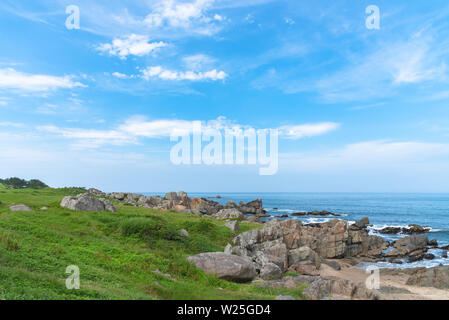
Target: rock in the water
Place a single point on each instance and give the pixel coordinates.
(232, 225)
(284, 298)
(20, 207)
(315, 213)
(229, 214)
(390, 230)
(225, 266)
(415, 229)
(429, 256)
(86, 202)
(411, 245)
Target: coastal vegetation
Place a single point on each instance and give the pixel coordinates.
(134, 253)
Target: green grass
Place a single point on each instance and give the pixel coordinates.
(115, 252)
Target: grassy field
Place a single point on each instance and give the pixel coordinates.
(115, 252)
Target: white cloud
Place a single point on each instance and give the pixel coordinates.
(178, 14)
(198, 62)
(120, 75)
(15, 80)
(307, 130)
(166, 74)
(138, 127)
(90, 138)
(12, 124)
(136, 45)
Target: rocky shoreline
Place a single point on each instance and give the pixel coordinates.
(265, 255)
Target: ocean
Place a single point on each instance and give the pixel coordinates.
(382, 209)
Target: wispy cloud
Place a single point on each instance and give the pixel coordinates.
(307, 130)
(166, 74)
(16, 80)
(136, 45)
(137, 127)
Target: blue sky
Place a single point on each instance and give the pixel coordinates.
(362, 110)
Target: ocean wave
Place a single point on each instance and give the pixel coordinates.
(439, 260)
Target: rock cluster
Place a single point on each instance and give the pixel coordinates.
(181, 202)
(87, 202)
(413, 248)
(289, 245)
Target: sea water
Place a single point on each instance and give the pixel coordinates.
(382, 209)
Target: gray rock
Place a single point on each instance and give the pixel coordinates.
(96, 192)
(225, 266)
(184, 233)
(284, 298)
(172, 196)
(182, 195)
(303, 254)
(117, 195)
(229, 214)
(228, 249)
(44, 208)
(270, 271)
(232, 225)
(362, 223)
(20, 207)
(108, 205)
(86, 202)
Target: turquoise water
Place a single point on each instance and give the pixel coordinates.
(382, 209)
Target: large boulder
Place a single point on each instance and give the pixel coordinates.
(304, 255)
(204, 206)
(225, 266)
(86, 202)
(270, 271)
(229, 214)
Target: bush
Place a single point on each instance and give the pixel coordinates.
(18, 183)
(149, 229)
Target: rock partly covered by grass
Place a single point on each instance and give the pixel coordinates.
(20, 207)
(87, 202)
(225, 266)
